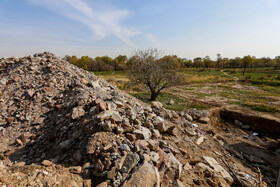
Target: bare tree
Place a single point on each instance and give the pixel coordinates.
(156, 73)
(219, 59)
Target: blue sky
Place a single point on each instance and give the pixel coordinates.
(187, 28)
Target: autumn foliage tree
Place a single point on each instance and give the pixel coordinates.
(247, 60)
(148, 67)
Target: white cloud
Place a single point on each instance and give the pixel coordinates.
(151, 38)
(103, 23)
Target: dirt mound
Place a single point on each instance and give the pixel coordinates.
(63, 126)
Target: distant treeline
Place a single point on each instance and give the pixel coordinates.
(106, 63)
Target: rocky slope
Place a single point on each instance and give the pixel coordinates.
(63, 126)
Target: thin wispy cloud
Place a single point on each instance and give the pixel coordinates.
(152, 38)
(102, 23)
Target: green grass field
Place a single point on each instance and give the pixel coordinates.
(258, 89)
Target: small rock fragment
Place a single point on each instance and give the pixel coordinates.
(77, 113)
(46, 163)
(75, 169)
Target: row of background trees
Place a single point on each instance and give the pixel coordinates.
(151, 68)
(122, 62)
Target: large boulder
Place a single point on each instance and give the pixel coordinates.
(147, 175)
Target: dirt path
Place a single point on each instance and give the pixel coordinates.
(226, 74)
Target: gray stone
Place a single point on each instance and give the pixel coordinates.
(188, 117)
(161, 127)
(124, 147)
(143, 133)
(116, 117)
(130, 162)
(3, 82)
(219, 169)
(204, 120)
(107, 126)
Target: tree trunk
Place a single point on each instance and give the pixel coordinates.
(154, 95)
(244, 70)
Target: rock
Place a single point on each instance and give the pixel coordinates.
(187, 167)
(147, 175)
(153, 145)
(107, 126)
(47, 163)
(2, 157)
(99, 167)
(112, 173)
(183, 151)
(154, 156)
(11, 119)
(101, 106)
(156, 133)
(199, 140)
(246, 127)
(176, 164)
(131, 137)
(76, 169)
(19, 164)
(16, 78)
(143, 133)
(204, 120)
(178, 183)
(195, 160)
(19, 142)
(3, 82)
(130, 162)
(161, 127)
(247, 179)
(171, 102)
(77, 113)
(39, 121)
(121, 161)
(211, 183)
(115, 117)
(205, 167)
(143, 144)
(188, 117)
(87, 183)
(30, 93)
(218, 168)
(104, 115)
(119, 130)
(25, 137)
(173, 131)
(156, 105)
(84, 81)
(236, 122)
(190, 132)
(124, 147)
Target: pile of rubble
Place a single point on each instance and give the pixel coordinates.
(56, 117)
